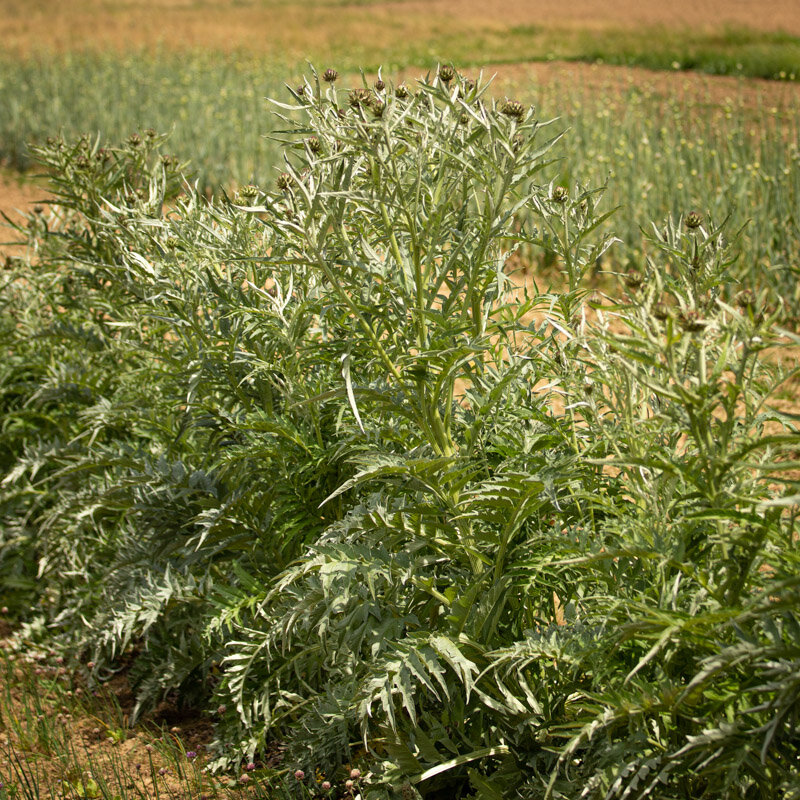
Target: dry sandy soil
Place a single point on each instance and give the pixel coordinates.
(279, 27)
(15, 195)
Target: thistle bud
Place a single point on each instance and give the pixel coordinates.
(330, 75)
(446, 73)
(746, 299)
(401, 92)
(661, 311)
(359, 97)
(560, 194)
(692, 321)
(249, 192)
(513, 109)
(284, 181)
(377, 107)
(694, 219)
(379, 85)
(314, 144)
(134, 140)
(633, 278)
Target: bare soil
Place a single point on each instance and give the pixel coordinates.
(18, 193)
(70, 732)
(17, 196)
(274, 27)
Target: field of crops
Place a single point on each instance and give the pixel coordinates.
(424, 430)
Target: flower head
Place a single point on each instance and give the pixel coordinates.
(249, 192)
(746, 299)
(359, 97)
(514, 109)
(694, 219)
(633, 278)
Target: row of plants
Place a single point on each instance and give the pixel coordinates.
(659, 156)
(311, 456)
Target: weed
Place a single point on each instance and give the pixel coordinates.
(314, 459)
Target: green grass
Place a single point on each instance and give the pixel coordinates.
(63, 737)
(213, 105)
(734, 51)
(731, 51)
